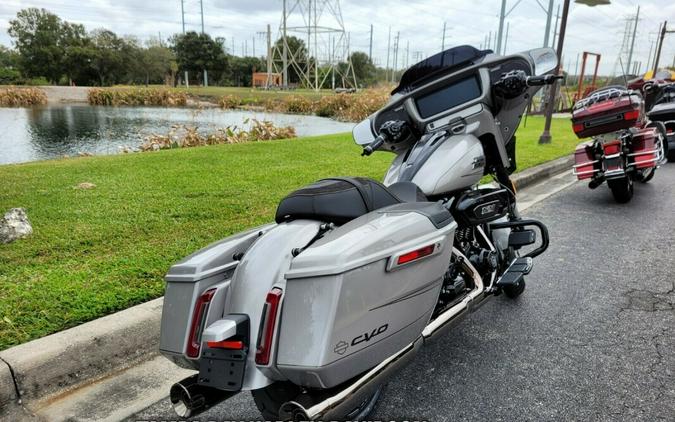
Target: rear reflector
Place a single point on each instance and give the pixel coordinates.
(197, 325)
(416, 254)
(613, 147)
(579, 127)
(226, 344)
(631, 115)
(268, 322)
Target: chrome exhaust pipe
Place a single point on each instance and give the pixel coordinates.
(189, 399)
(346, 399)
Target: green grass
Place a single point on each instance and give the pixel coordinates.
(98, 251)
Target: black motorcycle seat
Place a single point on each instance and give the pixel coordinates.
(339, 200)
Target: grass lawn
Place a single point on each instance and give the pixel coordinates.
(101, 250)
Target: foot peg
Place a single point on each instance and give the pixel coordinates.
(518, 269)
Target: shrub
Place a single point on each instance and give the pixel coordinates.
(136, 96)
(182, 136)
(230, 101)
(21, 97)
(333, 105)
(298, 104)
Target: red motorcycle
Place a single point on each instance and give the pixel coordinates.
(625, 146)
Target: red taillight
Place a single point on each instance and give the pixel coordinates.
(612, 147)
(416, 254)
(579, 127)
(266, 333)
(198, 317)
(226, 344)
(631, 115)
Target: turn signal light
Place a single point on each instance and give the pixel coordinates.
(267, 324)
(197, 325)
(416, 254)
(578, 127)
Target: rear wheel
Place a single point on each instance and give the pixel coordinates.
(646, 175)
(268, 400)
(622, 189)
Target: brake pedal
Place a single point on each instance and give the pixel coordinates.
(519, 268)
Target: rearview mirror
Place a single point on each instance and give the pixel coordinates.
(545, 60)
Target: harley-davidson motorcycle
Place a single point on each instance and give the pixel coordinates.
(625, 147)
(660, 106)
(314, 312)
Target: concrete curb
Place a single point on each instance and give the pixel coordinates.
(58, 362)
(52, 365)
(538, 173)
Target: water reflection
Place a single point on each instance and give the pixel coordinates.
(29, 134)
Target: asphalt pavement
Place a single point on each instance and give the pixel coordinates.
(592, 337)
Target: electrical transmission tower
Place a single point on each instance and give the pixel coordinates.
(626, 50)
(323, 59)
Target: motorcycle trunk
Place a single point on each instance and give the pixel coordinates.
(351, 298)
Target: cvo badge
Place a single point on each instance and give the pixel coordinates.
(365, 337)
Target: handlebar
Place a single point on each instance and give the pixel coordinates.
(542, 80)
(370, 148)
(392, 131)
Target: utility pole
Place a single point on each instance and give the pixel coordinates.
(443, 39)
(182, 14)
(664, 31)
(506, 38)
(386, 69)
(555, 29)
(549, 15)
(649, 56)
(284, 53)
(407, 53)
(490, 40)
(395, 62)
(253, 41)
(370, 48)
(206, 74)
(269, 56)
(502, 15)
(576, 67)
(632, 43)
(545, 137)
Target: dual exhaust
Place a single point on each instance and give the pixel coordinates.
(189, 399)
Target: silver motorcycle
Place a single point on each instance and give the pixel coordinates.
(314, 312)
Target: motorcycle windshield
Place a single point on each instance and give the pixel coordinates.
(452, 59)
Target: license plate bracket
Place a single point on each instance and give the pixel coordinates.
(222, 368)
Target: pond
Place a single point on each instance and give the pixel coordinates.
(40, 133)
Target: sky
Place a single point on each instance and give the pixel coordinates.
(419, 24)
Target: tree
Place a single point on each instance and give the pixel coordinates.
(112, 56)
(364, 69)
(196, 52)
(40, 37)
(241, 70)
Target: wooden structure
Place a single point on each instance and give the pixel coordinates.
(266, 80)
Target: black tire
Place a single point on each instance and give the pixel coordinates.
(622, 189)
(513, 292)
(268, 400)
(646, 175)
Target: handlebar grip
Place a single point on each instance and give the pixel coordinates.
(369, 149)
